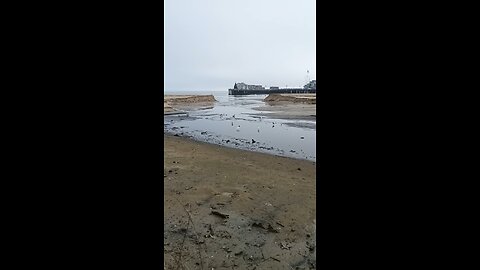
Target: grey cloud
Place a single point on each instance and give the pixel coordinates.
(211, 44)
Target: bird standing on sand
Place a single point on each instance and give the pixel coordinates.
(238, 128)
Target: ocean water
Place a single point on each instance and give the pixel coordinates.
(233, 122)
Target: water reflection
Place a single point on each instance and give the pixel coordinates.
(233, 122)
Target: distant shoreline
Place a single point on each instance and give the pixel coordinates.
(199, 92)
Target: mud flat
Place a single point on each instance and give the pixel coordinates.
(175, 103)
(226, 208)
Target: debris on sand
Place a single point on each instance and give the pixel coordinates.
(285, 245)
(218, 214)
(268, 227)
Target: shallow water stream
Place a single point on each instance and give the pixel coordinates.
(234, 123)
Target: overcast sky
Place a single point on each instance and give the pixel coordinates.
(211, 44)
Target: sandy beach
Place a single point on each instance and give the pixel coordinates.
(233, 209)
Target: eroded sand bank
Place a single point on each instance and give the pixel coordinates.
(292, 98)
(177, 103)
(289, 106)
(226, 208)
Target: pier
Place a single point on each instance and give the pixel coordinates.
(272, 91)
(246, 89)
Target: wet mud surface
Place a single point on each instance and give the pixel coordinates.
(233, 209)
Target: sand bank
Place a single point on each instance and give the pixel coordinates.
(289, 106)
(292, 98)
(176, 99)
(289, 111)
(176, 103)
(226, 207)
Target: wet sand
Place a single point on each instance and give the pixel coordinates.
(288, 111)
(233, 209)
